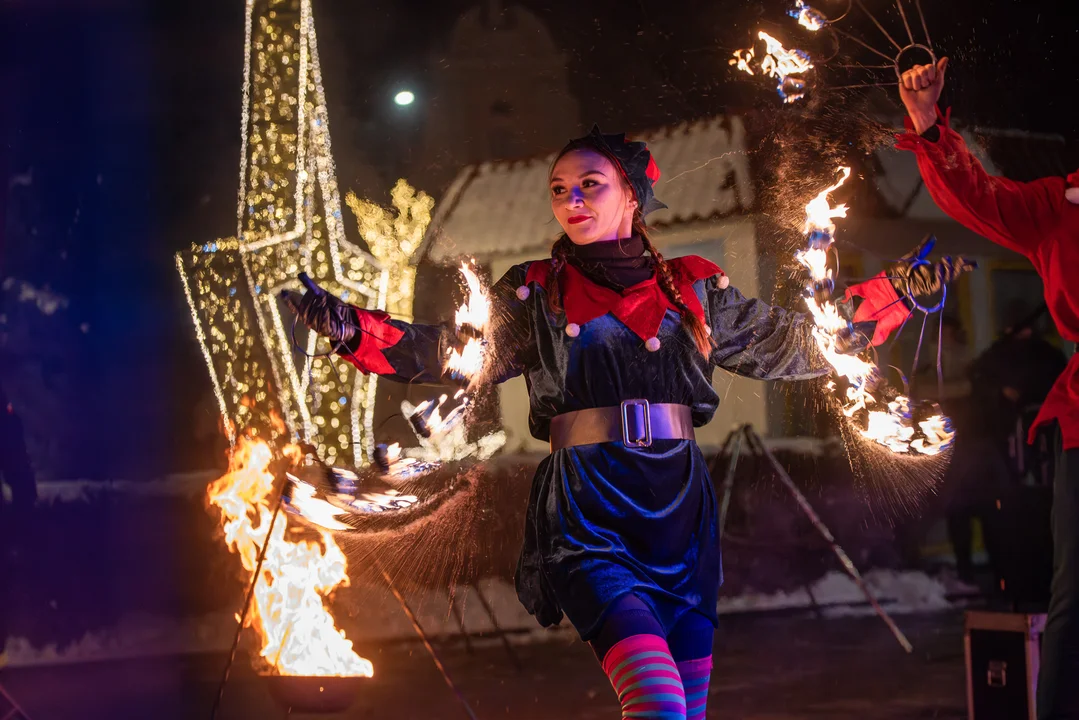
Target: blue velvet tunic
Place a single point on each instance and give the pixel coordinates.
(605, 520)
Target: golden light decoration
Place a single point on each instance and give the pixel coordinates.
(289, 220)
(394, 240)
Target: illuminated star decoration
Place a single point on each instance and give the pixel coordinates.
(289, 220)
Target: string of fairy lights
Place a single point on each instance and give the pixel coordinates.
(289, 220)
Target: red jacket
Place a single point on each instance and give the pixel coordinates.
(1034, 219)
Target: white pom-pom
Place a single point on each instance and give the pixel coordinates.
(1072, 194)
(652, 344)
(723, 282)
(523, 292)
(573, 329)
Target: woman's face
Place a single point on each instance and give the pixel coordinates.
(589, 198)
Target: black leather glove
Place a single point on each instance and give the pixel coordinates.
(919, 279)
(323, 313)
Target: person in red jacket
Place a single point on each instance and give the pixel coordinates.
(1040, 220)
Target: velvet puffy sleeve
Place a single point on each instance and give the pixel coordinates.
(759, 340)
(511, 342)
(416, 353)
(397, 350)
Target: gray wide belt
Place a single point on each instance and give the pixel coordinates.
(635, 422)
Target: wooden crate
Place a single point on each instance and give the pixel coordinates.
(1002, 653)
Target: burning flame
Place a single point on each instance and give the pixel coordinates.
(476, 309)
(471, 317)
(288, 610)
(819, 212)
(468, 360)
(432, 413)
(890, 424)
(778, 63)
(742, 59)
(400, 467)
(303, 501)
(442, 439)
(807, 17)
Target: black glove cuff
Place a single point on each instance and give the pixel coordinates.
(898, 278)
(932, 134)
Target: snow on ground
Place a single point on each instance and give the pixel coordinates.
(836, 594)
(183, 485)
(374, 617)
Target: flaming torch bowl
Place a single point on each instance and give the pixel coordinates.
(316, 694)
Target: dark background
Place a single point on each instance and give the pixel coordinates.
(120, 145)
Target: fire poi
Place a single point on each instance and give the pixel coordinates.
(789, 67)
(880, 415)
(327, 496)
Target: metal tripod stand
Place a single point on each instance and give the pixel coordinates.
(747, 436)
(10, 708)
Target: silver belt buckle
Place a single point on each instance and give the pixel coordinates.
(647, 441)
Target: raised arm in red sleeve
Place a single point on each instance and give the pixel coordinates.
(1013, 214)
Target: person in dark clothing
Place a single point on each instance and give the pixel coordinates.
(18, 476)
(1040, 220)
(1012, 379)
(1008, 384)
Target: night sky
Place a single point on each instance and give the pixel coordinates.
(120, 125)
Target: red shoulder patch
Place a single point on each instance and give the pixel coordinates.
(688, 270)
(539, 271)
(692, 268)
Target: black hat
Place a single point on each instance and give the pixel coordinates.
(632, 158)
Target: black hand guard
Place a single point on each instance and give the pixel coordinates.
(915, 278)
(322, 312)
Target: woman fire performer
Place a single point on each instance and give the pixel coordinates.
(618, 346)
(1040, 220)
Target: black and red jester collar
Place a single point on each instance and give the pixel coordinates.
(640, 307)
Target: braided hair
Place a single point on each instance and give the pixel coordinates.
(702, 336)
(559, 259)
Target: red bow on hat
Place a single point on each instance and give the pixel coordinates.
(652, 171)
